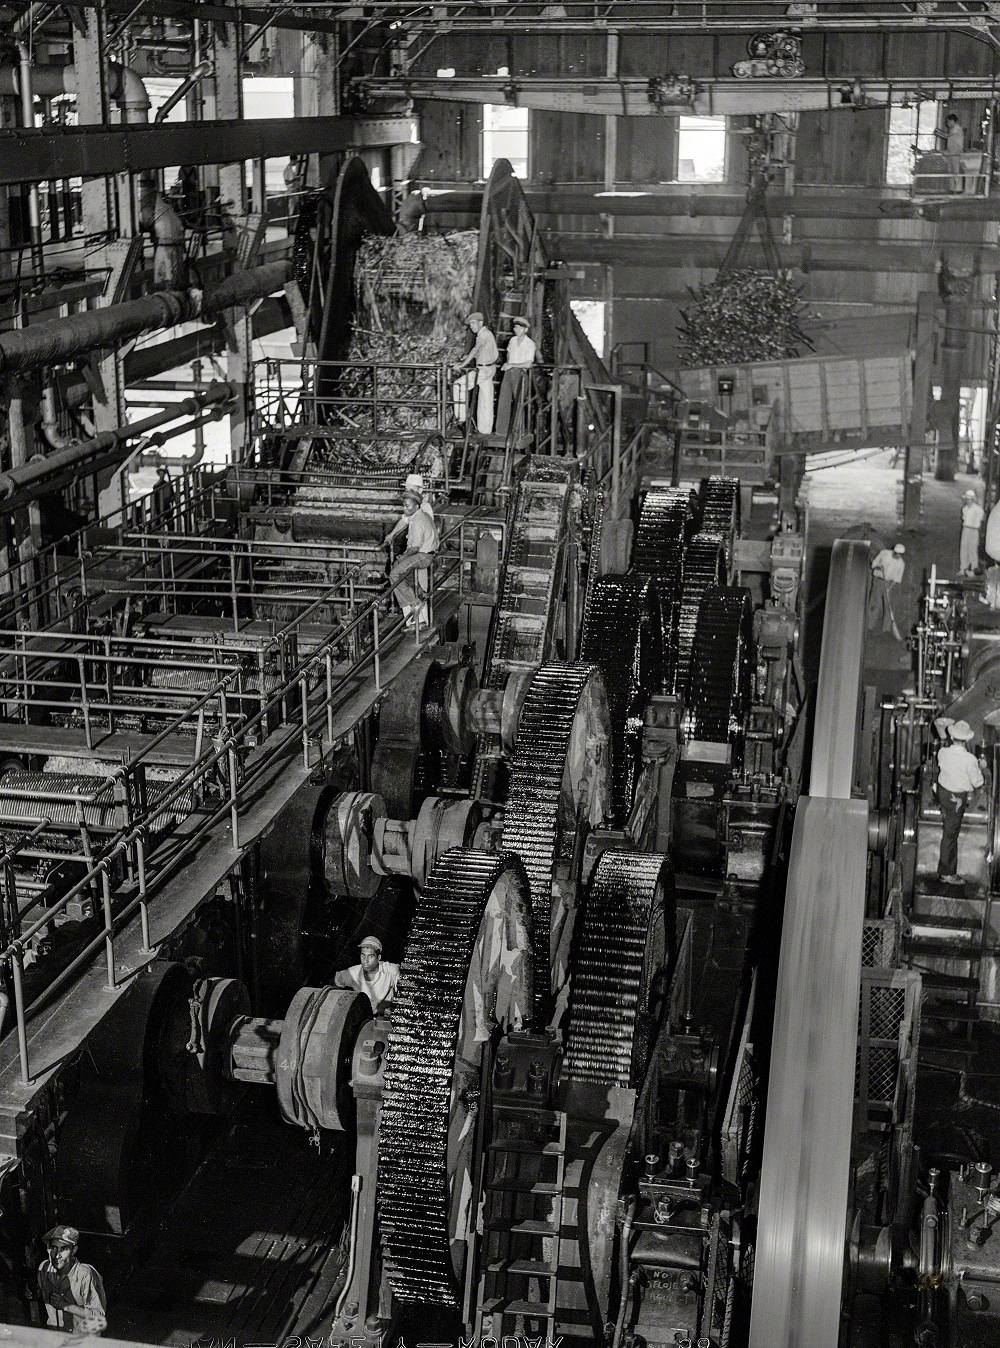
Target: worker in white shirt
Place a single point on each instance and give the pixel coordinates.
(520, 357)
(958, 777)
(374, 976)
(415, 561)
(953, 136)
(888, 570)
(973, 515)
(483, 362)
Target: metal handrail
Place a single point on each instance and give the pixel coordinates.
(313, 671)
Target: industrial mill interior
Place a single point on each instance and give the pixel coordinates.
(508, 493)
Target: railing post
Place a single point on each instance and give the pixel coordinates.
(109, 933)
(140, 865)
(304, 697)
(377, 660)
(329, 696)
(17, 966)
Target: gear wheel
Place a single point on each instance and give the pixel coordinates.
(666, 523)
(704, 566)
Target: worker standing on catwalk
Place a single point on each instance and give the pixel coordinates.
(416, 560)
(73, 1292)
(518, 361)
(954, 145)
(888, 570)
(483, 360)
(374, 976)
(973, 515)
(958, 777)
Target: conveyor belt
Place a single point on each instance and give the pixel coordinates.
(414, 1196)
(626, 935)
(622, 637)
(531, 818)
(802, 1219)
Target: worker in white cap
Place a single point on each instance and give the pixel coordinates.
(888, 570)
(482, 360)
(973, 515)
(374, 976)
(72, 1292)
(958, 777)
(416, 559)
(518, 360)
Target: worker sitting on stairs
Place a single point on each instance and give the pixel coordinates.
(959, 776)
(421, 545)
(519, 360)
(483, 360)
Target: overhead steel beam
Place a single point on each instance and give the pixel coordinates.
(92, 152)
(847, 203)
(247, 14)
(628, 95)
(707, 254)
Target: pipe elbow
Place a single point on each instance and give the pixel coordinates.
(129, 92)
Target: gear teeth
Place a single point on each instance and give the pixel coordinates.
(720, 511)
(666, 523)
(413, 1179)
(531, 815)
(720, 696)
(704, 566)
(626, 931)
(622, 637)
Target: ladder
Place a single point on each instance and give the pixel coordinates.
(522, 1221)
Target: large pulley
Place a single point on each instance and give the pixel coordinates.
(802, 1221)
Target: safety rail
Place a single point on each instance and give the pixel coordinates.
(53, 585)
(722, 451)
(314, 399)
(224, 777)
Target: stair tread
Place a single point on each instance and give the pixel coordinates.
(941, 947)
(526, 1226)
(500, 1305)
(946, 921)
(519, 1144)
(949, 1011)
(518, 1185)
(953, 982)
(533, 1268)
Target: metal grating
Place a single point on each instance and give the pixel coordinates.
(880, 944)
(738, 1125)
(888, 1025)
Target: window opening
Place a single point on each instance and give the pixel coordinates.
(505, 136)
(701, 149)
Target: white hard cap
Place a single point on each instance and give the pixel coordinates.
(414, 482)
(961, 731)
(970, 495)
(899, 549)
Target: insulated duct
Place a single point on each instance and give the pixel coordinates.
(62, 339)
(124, 85)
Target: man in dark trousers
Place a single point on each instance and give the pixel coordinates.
(959, 776)
(73, 1292)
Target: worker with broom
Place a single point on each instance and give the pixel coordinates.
(888, 569)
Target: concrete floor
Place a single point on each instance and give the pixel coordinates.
(957, 1111)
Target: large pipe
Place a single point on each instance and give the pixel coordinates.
(125, 86)
(63, 339)
(19, 486)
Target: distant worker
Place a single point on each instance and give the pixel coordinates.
(520, 357)
(374, 976)
(888, 570)
(954, 145)
(958, 777)
(973, 515)
(72, 1292)
(416, 560)
(483, 360)
(411, 212)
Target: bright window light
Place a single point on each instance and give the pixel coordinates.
(505, 136)
(701, 149)
(590, 314)
(910, 129)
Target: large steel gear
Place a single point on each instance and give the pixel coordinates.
(550, 788)
(805, 1173)
(720, 511)
(666, 523)
(465, 968)
(625, 937)
(622, 637)
(704, 566)
(721, 669)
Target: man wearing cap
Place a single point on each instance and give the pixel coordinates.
(73, 1292)
(483, 360)
(958, 776)
(374, 976)
(416, 559)
(888, 570)
(973, 515)
(518, 361)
